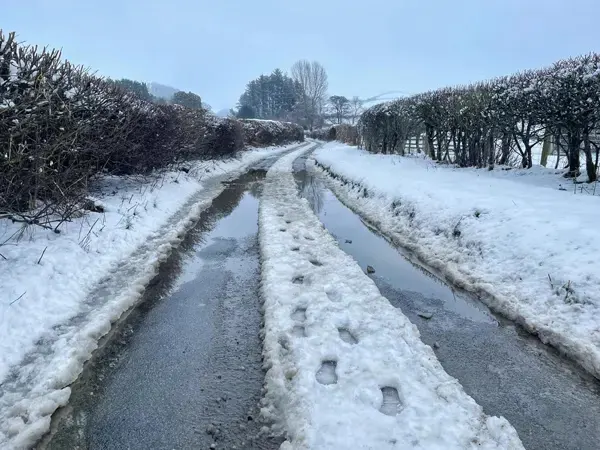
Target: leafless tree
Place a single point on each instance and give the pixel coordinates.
(312, 79)
(340, 107)
(356, 108)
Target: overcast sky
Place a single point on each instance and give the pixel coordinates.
(214, 47)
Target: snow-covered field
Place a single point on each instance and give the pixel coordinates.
(55, 307)
(346, 370)
(529, 248)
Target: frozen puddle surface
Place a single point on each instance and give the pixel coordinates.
(508, 372)
(361, 377)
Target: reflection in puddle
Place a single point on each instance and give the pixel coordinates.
(369, 248)
(312, 189)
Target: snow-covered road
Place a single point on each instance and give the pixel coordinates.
(345, 368)
(183, 369)
(55, 308)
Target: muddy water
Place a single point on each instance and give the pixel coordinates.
(551, 403)
(183, 370)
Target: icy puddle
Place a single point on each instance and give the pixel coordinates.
(550, 401)
(184, 369)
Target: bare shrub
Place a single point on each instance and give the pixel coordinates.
(60, 126)
(262, 133)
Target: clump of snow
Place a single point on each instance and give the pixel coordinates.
(59, 293)
(346, 369)
(529, 248)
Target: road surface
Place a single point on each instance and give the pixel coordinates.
(184, 369)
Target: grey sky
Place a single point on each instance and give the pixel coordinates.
(215, 47)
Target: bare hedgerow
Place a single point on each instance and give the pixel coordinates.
(499, 120)
(262, 133)
(60, 126)
(345, 133)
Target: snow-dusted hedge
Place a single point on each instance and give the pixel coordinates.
(485, 122)
(346, 133)
(323, 134)
(261, 133)
(343, 132)
(60, 126)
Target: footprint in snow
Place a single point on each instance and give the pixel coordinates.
(299, 331)
(391, 404)
(333, 295)
(299, 315)
(347, 337)
(326, 374)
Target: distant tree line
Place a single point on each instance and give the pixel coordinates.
(273, 96)
(141, 91)
(300, 97)
(487, 122)
(340, 109)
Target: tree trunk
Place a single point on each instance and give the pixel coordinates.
(546, 147)
(590, 167)
(557, 146)
(574, 147)
(427, 148)
(597, 155)
(529, 156)
(491, 157)
(439, 145)
(505, 149)
(430, 145)
(402, 146)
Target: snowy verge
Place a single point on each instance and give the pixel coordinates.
(527, 248)
(60, 293)
(345, 369)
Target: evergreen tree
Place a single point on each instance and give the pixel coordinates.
(271, 96)
(187, 99)
(136, 87)
(246, 112)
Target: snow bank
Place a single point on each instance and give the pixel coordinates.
(528, 248)
(346, 370)
(55, 307)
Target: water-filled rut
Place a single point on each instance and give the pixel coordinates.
(184, 369)
(548, 399)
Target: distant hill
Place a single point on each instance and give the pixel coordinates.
(162, 90)
(223, 113)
